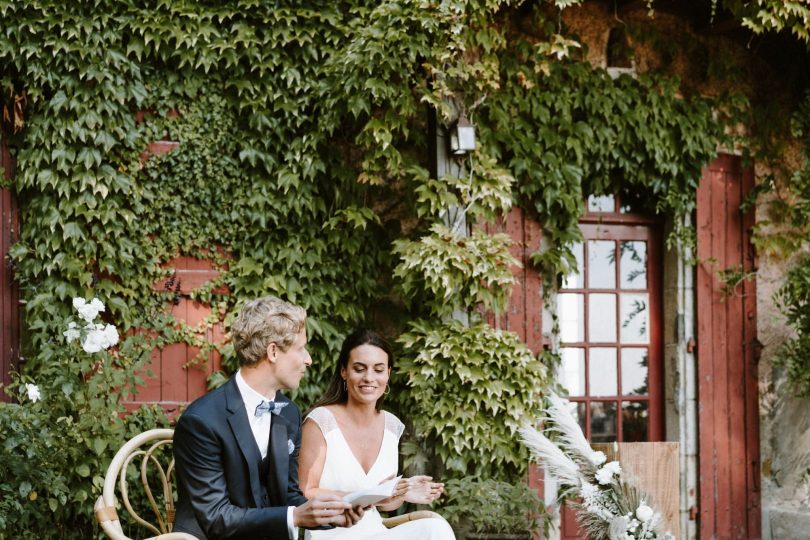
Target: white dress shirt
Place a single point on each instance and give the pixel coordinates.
(260, 426)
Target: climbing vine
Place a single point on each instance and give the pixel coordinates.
(568, 131)
(261, 182)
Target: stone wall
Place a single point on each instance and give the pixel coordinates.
(784, 419)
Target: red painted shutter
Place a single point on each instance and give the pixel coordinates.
(524, 310)
(728, 414)
(9, 295)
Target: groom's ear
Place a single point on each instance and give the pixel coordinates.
(272, 350)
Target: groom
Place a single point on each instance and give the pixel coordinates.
(236, 448)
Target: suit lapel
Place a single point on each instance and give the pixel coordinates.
(278, 458)
(244, 438)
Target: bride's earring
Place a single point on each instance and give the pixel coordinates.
(387, 390)
(345, 386)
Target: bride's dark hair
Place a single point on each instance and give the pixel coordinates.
(335, 392)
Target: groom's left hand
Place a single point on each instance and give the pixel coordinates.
(353, 515)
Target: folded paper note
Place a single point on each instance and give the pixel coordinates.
(372, 495)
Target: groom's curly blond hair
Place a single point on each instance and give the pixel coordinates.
(264, 321)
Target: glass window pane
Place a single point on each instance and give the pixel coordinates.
(571, 316)
(578, 412)
(635, 421)
(600, 203)
(601, 264)
(633, 265)
(602, 318)
(603, 421)
(634, 372)
(602, 374)
(574, 279)
(573, 370)
(634, 315)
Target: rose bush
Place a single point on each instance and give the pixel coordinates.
(66, 425)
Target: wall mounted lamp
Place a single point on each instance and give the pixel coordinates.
(462, 136)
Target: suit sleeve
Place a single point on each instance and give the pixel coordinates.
(295, 496)
(201, 473)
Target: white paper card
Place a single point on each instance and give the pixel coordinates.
(372, 495)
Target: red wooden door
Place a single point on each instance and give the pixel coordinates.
(9, 297)
(728, 413)
(609, 313)
(629, 359)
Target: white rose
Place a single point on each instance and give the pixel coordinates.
(94, 341)
(33, 392)
(605, 474)
(88, 310)
(644, 513)
(72, 333)
(110, 335)
(597, 458)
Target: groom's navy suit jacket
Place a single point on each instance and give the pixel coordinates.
(224, 489)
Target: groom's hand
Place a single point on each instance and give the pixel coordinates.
(353, 515)
(322, 509)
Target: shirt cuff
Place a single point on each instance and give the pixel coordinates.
(292, 530)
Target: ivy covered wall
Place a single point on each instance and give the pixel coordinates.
(302, 171)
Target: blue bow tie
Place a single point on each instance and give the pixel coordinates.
(269, 406)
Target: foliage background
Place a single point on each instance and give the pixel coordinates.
(302, 171)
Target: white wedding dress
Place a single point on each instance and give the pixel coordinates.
(342, 472)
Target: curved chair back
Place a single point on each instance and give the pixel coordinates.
(144, 450)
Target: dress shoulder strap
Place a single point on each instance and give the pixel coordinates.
(394, 424)
(324, 418)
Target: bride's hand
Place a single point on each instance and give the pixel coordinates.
(422, 490)
(397, 497)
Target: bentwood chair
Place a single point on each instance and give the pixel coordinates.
(152, 450)
(410, 516)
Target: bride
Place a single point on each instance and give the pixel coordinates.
(349, 443)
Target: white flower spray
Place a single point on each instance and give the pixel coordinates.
(569, 458)
(94, 336)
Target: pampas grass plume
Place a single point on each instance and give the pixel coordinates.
(551, 457)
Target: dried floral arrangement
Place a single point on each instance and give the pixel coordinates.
(610, 507)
